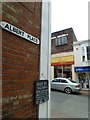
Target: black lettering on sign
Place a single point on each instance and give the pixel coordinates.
(7, 26)
(19, 32)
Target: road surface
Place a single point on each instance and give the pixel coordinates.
(68, 105)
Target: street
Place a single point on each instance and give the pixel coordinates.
(68, 105)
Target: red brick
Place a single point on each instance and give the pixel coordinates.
(20, 60)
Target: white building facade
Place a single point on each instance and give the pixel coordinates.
(81, 68)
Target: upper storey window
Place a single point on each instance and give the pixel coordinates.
(83, 54)
(88, 52)
(61, 40)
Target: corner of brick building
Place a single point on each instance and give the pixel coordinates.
(20, 60)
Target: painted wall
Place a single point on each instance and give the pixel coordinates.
(88, 20)
(78, 53)
(52, 72)
(45, 52)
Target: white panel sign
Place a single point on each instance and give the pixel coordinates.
(18, 32)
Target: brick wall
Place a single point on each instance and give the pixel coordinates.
(20, 60)
(63, 48)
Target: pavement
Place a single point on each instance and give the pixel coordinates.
(85, 91)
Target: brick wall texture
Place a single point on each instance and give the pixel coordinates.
(20, 60)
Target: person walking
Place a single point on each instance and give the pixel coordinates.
(81, 81)
(87, 83)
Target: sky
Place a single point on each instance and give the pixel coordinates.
(70, 13)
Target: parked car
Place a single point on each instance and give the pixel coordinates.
(66, 85)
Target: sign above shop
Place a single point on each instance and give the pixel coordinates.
(82, 69)
(19, 32)
(64, 60)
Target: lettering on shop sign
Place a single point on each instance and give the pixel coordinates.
(41, 91)
(82, 69)
(19, 32)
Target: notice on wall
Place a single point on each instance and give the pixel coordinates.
(41, 91)
(19, 32)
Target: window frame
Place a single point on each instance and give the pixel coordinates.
(61, 41)
(56, 80)
(63, 80)
(88, 53)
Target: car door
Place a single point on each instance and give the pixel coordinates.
(55, 83)
(63, 84)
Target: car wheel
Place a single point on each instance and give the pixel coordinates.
(68, 90)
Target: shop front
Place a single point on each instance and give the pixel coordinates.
(83, 75)
(62, 66)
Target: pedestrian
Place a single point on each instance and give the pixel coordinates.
(87, 83)
(79, 78)
(81, 81)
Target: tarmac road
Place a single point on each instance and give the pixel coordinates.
(69, 105)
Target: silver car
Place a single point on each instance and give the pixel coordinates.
(65, 84)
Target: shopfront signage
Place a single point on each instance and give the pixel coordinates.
(41, 91)
(82, 69)
(19, 32)
(62, 60)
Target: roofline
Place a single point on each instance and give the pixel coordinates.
(80, 42)
(62, 30)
